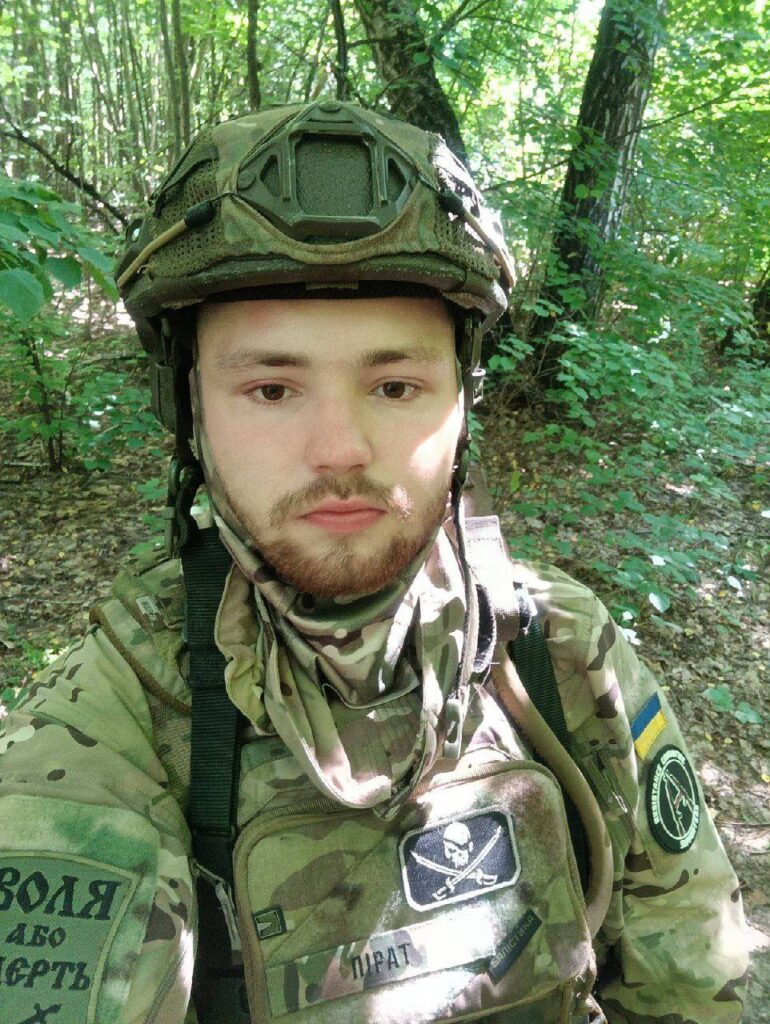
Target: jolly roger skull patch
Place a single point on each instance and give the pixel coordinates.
(458, 860)
(673, 805)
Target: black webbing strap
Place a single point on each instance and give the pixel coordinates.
(529, 653)
(218, 989)
(213, 775)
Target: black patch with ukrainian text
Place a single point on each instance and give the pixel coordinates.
(673, 804)
(458, 860)
(513, 945)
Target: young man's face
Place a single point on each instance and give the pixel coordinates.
(333, 425)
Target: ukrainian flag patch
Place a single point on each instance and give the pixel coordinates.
(648, 725)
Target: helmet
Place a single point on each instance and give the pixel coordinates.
(305, 197)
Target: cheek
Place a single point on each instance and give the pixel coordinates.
(433, 455)
(240, 452)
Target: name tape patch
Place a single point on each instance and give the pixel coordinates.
(386, 958)
(458, 860)
(673, 804)
(57, 918)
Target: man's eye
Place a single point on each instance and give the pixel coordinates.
(270, 392)
(396, 389)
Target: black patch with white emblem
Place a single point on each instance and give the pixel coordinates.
(458, 860)
(673, 804)
(269, 922)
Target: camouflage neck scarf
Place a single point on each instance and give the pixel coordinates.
(354, 687)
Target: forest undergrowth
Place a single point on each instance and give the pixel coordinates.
(675, 544)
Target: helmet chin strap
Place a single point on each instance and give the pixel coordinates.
(472, 379)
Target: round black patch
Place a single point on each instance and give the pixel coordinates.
(673, 805)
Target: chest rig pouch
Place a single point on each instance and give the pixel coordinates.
(465, 906)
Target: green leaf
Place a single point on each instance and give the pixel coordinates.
(65, 269)
(21, 292)
(720, 697)
(581, 192)
(107, 283)
(667, 624)
(746, 713)
(660, 602)
(95, 259)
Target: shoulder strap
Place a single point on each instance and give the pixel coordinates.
(213, 769)
(218, 988)
(517, 616)
(529, 653)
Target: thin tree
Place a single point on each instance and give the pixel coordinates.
(341, 64)
(182, 67)
(253, 65)
(172, 92)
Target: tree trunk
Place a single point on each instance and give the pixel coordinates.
(341, 64)
(593, 196)
(252, 60)
(313, 83)
(181, 62)
(760, 307)
(172, 92)
(405, 64)
(50, 438)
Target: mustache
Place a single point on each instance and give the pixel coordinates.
(352, 485)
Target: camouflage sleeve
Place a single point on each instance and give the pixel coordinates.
(673, 949)
(97, 908)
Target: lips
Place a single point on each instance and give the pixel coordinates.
(344, 516)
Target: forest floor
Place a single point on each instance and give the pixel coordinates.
(64, 537)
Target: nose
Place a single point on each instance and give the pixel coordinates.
(338, 440)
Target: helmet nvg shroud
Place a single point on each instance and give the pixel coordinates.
(301, 199)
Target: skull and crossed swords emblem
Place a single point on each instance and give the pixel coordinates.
(458, 847)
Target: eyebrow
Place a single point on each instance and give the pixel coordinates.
(245, 358)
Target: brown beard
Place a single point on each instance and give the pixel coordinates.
(340, 572)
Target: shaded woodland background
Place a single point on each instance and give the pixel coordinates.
(627, 147)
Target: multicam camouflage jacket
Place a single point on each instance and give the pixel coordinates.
(465, 905)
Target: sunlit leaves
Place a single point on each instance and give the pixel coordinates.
(42, 247)
(21, 293)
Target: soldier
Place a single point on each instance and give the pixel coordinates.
(344, 757)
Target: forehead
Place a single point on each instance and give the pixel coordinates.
(316, 330)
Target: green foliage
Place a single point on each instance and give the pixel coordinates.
(153, 490)
(70, 400)
(43, 246)
(19, 667)
(721, 698)
(638, 430)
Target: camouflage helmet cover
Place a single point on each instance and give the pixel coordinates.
(320, 195)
